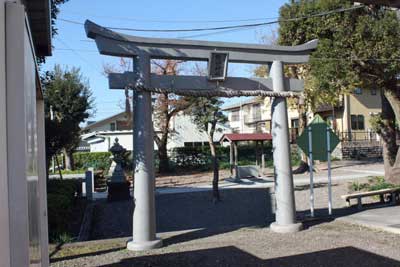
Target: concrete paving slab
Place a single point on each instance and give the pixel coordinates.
(384, 218)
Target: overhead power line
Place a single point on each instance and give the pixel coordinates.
(314, 58)
(172, 21)
(340, 10)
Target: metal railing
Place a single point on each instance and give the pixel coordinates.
(358, 136)
(368, 136)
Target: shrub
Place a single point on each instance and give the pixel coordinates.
(374, 183)
(60, 202)
(199, 158)
(96, 160)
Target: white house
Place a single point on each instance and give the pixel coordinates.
(99, 136)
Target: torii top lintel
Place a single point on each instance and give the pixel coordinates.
(117, 44)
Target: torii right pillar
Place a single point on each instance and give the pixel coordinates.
(285, 221)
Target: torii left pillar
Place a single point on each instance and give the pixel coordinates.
(144, 215)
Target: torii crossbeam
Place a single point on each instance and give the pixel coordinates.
(142, 50)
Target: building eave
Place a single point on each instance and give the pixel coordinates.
(103, 121)
(39, 16)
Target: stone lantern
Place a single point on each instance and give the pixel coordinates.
(118, 186)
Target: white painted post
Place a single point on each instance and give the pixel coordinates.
(144, 216)
(89, 183)
(284, 188)
(328, 147)
(311, 170)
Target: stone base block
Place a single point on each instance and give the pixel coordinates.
(286, 229)
(147, 245)
(118, 191)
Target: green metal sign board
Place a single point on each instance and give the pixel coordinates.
(319, 139)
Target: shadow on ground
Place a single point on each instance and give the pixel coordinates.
(184, 211)
(232, 256)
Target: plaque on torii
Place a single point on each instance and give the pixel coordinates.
(218, 55)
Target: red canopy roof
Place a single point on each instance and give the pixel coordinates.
(246, 137)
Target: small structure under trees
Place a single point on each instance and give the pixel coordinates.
(235, 138)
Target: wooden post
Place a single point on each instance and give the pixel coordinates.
(257, 153)
(231, 156)
(236, 156)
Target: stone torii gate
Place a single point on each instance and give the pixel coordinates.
(218, 54)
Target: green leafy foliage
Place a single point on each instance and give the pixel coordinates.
(198, 158)
(374, 183)
(68, 97)
(96, 160)
(356, 48)
(61, 196)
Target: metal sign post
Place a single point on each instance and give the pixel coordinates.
(310, 164)
(328, 148)
(318, 148)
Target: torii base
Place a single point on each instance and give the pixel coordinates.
(141, 246)
(286, 229)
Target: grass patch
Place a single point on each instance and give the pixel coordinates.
(374, 183)
(81, 171)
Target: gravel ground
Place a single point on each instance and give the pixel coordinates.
(233, 233)
(324, 244)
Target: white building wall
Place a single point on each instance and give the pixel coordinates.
(4, 215)
(183, 130)
(23, 220)
(101, 128)
(246, 121)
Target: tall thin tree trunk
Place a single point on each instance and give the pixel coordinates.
(67, 160)
(163, 157)
(388, 134)
(214, 158)
(303, 167)
(59, 167)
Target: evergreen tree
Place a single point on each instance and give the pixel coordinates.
(67, 104)
(357, 48)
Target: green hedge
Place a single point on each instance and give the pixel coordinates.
(199, 158)
(61, 196)
(96, 160)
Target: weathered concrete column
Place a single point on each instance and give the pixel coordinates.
(144, 216)
(284, 191)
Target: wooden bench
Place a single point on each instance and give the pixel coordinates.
(393, 192)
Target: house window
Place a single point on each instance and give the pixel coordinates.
(112, 126)
(256, 112)
(357, 122)
(358, 91)
(235, 115)
(373, 91)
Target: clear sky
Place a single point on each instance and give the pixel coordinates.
(73, 49)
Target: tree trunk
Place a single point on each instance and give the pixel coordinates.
(59, 168)
(391, 155)
(303, 167)
(67, 159)
(163, 166)
(214, 158)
